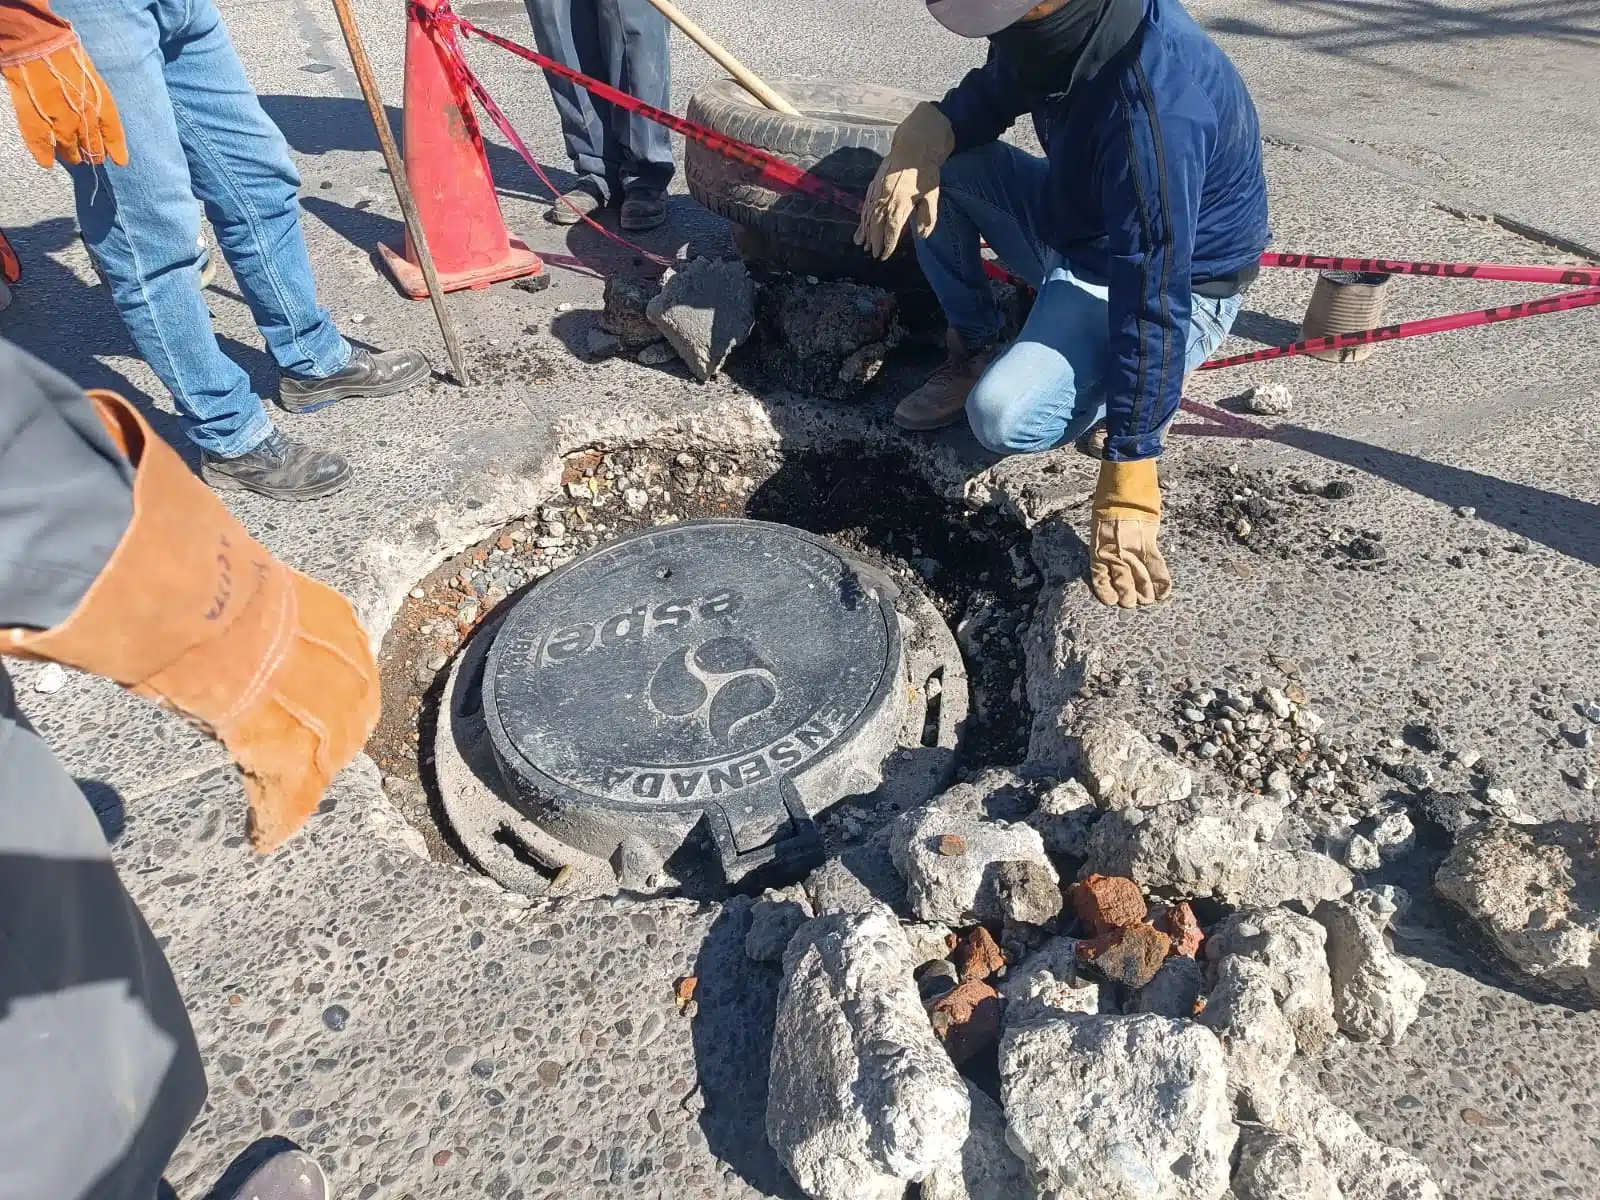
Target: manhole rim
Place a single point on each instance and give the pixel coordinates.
(887, 593)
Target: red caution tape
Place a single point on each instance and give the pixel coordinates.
(1561, 302)
(443, 24)
(1584, 277)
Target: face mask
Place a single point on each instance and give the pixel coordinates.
(1043, 53)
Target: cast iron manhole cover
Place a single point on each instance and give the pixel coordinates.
(721, 667)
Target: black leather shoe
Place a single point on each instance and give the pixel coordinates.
(642, 209)
(279, 468)
(366, 374)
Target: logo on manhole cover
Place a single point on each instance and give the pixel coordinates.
(721, 684)
(681, 665)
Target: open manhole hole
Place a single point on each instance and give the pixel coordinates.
(682, 701)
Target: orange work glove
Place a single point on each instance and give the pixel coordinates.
(1125, 563)
(193, 612)
(63, 106)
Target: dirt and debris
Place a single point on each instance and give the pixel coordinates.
(1278, 514)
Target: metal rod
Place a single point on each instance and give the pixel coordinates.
(745, 77)
(402, 186)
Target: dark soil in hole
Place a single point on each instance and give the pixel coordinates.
(973, 566)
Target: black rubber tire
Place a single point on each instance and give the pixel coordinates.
(842, 136)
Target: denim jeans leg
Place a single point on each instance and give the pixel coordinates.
(994, 193)
(568, 31)
(142, 224)
(240, 167)
(635, 37)
(1045, 389)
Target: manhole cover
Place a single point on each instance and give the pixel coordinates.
(733, 669)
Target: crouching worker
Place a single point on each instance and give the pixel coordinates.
(1140, 229)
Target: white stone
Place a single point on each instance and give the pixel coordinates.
(1269, 400)
(1395, 836)
(1293, 948)
(986, 1169)
(1047, 982)
(1123, 769)
(1117, 1108)
(1198, 846)
(636, 499)
(959, 889)
(862, 1098)
(1304, 876)
(1174, 991)
(1383, 904)
(1064, 818)
(1530, 889)
(1361, 853)
(52, 677)
(1274, 1166)
(1257, 1041)
(1376, 994)
(1275, 701)
(1363, 1167)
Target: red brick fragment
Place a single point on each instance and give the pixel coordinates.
(966, 1020)
(1107, 902)
(977, 955)
(952, 845)
(1179, 923)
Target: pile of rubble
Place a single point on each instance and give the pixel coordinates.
(819, 338)
(955, 1012)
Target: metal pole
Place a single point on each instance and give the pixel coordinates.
(402, 186)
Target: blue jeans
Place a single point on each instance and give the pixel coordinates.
(623, 43)
(196, 129)
(1046, 389)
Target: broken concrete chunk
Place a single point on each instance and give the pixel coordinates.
(1274, 1166)
(657, 354)
(1533, 894)
(1376, 993)
(1030, 892)
(856, 878)
(625, 303)
(1363, 1167)
(862, 1098)
(1304, 878)
(1127, 1107)
(962, 889)
(1383, 904)
(1242, 1010)
(1122, 769)
(1174, 991)
(598, 343)
(705, 309)
(1049, 981)
(1395, 836)
(1269, 400)
(1293, 948)
(985, 1169)
(929, 940)
(1196, 846)
(1064, 817)
(824, 339)
(774, 919)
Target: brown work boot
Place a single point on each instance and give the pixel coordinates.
(941, 400)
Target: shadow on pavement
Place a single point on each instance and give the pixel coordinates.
(738, 1002)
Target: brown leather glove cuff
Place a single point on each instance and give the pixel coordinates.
(183, 574)
(29, 30)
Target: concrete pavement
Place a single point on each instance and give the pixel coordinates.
(496, 1048)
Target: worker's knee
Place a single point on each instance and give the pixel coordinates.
(1005, 416)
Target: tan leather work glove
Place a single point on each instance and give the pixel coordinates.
(907, 181)
(1125, 564)
(63, 106)
(193, 612)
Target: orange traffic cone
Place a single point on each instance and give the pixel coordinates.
(449, 173)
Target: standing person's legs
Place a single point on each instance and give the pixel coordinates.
(99, 1072)
(142, 223)
(640, 63)
(239, 167)
(993, 193)
(568, 31)
(1048, 388)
